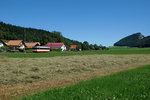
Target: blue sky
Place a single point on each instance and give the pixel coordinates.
(96, 21)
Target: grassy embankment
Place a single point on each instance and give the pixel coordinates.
(128, 85)
(112, 50)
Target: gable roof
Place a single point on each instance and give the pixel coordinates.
(32, 44)
(73, 47)
(14, 42)
(2, 42)
(54, 45)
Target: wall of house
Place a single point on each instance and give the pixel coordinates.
(1, 44)
(63, 48)
(22, 47)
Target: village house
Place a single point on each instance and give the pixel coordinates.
(30, 45)
(16, 44)
(2, 43)
(56, 46)
(73, 48)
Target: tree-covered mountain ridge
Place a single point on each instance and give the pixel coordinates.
(12, 32)
(134, 40)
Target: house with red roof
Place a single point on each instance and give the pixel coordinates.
(56, 46)
(30, 45)
(16, 44)
(73, 47)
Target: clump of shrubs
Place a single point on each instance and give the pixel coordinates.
(4, 49)
(55, 50)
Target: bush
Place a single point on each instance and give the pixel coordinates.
(57, 50)
(5, 48)
(28, 50)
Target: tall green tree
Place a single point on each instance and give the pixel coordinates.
(85, 46)
(96, 47)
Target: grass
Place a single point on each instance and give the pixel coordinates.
(123, 48)
(127, 85)
(113, 50)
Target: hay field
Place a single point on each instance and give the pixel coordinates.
(19, 76)
(27, 70)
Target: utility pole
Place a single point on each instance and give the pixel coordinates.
(24, 39)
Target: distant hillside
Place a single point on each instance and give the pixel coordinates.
(12, 32)
(145, 42)
(134, 40)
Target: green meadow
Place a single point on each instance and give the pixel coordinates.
(112, 50)
(128, 85)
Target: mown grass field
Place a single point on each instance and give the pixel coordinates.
(127, 85)
(112, 50)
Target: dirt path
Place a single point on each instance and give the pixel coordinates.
(26, 76)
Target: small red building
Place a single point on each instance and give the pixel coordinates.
(56, 46)
(73, 47)
(30, 45)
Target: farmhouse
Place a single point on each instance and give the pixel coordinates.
(2, 43)
(73, 47)
(30, 45)
(16, 44)
(56, 46)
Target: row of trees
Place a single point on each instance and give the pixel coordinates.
(11, 32)
(87, 46)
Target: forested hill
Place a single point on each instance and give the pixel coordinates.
(12, 32)
(134, 40)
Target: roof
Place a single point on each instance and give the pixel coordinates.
(54, 45)
(30, 45)
(14, 42)
(73, 47)
(2, 42)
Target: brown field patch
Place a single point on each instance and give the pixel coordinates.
(20, 76)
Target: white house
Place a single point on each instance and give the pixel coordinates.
(16, 44)
(56, 46)
(2, 43)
